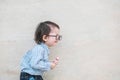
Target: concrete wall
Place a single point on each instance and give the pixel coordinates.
(90, 49)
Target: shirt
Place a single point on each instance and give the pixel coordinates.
(35, 61)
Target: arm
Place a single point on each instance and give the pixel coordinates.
(39, 61)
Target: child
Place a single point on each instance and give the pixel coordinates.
(35, 62)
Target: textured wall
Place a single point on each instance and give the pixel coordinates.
(90, 49)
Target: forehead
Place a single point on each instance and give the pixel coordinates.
(54, 30)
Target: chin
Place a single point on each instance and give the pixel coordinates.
(51, 45)
(54, 44)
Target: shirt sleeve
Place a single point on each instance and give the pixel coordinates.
(38, 60)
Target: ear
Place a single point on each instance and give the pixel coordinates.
(44, 38)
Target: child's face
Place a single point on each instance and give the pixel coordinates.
(53, 38)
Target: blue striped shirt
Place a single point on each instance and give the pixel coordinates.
(35, 61)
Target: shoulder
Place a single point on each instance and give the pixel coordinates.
(38, 47)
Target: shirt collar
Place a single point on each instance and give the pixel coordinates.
(45, 47)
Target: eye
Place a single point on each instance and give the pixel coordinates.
(58, 37)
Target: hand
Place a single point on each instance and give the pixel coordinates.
(56, 60)
(54, 63)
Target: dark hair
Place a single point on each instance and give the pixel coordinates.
(44, 29)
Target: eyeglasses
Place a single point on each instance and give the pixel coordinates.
(58, 37)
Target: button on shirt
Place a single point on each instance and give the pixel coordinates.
(35, 61)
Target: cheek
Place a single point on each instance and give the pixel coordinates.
(52, 39)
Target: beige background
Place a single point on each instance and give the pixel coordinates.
(90, 49)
